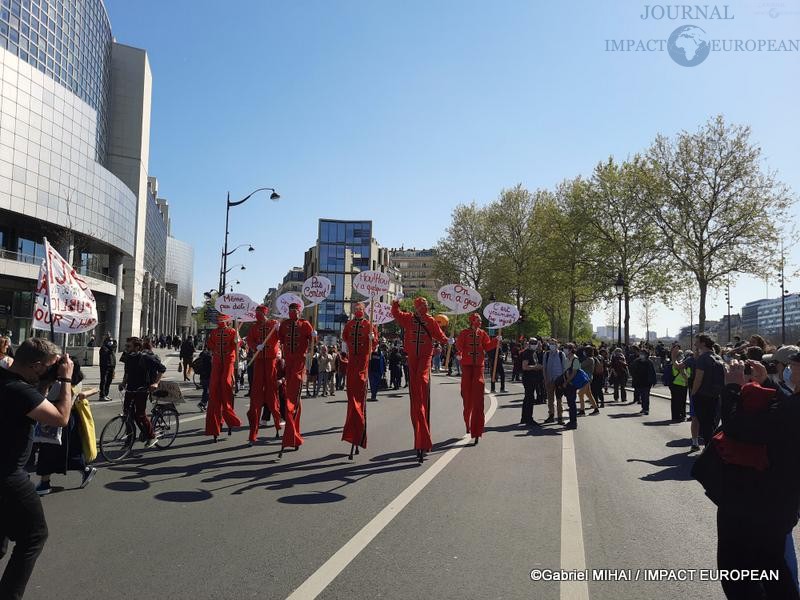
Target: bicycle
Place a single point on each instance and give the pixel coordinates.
(119, 434)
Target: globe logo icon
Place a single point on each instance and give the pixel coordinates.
(688, 46)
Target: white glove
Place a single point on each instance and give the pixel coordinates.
(314, 333)
(371, 337)
(451, 341)
(499, 338)
(260, 347)
(399, 296)
(276, 327)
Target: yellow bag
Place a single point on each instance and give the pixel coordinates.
(88, 439)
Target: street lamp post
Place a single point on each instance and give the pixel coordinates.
(619, 287)
(228, 204)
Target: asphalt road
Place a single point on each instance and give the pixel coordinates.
(204, 520)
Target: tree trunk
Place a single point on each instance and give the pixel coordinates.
(701, 324)
(572, 305)
(627, 318)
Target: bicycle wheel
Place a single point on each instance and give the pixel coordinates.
(165, 424)
(116, 439)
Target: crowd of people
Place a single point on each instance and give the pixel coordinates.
(742, 401)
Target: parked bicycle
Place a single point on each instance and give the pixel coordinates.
(120, 433)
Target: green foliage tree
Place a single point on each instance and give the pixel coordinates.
(717, 207)
(463, 255)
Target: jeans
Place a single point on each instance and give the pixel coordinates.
(705, 408)
(753, 544)
(553, 399)
(642, 395)
(571, 393)
(791, 557)
(106, 375)
(323, 382)
(437, 363)
(374, 385)
(499, 374)
(139, 401)
(597, 389)
(527, 403)
(619, 389)
(677, 395)
(23, 521)
(204, 381)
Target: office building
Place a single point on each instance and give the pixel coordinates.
(74, 149)
(416, 269)
(764, 318)
(344, 249)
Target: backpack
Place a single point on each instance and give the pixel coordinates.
(599, 366)
(666, 373)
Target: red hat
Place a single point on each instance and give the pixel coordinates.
(262, 308)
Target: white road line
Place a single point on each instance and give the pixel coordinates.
(322, 577)
(573, 555)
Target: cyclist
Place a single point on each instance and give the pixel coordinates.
(143, 371)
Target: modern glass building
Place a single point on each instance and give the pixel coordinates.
(344, 249)
(74, 147)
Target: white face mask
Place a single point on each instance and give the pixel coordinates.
(553, 347)
(787, 378)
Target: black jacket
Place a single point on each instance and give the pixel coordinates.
(778, 496)
(643, 373)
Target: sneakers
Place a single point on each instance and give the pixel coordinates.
(596, 411)
(581, 413)
(549, 419)
(88, 475)
(151, 442)
(694, 448)
(43, 488)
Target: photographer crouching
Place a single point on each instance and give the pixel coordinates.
(751, 471)
(37, 363)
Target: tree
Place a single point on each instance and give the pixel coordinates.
(716, 207)
(647, 315)
(463, 255)
(616, 211)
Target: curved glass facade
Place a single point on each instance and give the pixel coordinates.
(70, 42)
(48, 169)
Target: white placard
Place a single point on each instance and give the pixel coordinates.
(73, 304)
(316, 289)
(382, 314)
(501, 314)
(237, 306)
(283, 302)
(371, 283)
(460, 299)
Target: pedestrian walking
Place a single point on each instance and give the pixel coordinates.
(472, 344)
(643, 378)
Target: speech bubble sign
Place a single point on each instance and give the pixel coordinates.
(501, 314)
(382, 313)
(460, 299)
(371, 283)
(236, 306)
(316, 289)
(283, 302)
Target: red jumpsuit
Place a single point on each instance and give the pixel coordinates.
(419, 347)
(356, 336)
(471, 345)
(295, 336)
(264, 385)
(222, 344)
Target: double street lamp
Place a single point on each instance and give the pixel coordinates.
(619, 287)
(228, 204)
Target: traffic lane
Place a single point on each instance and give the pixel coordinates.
(211, 518)
(641, 509)
(478, 529)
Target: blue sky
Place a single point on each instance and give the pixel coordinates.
(398, 111)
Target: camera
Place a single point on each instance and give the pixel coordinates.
(772, 368)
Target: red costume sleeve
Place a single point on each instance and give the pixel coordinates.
(348, 328)
(488, 343)
(460, 341)
(402, 317)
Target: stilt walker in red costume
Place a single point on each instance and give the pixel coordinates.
(263, 340)
(359, 335)
(471, 346)
(222, 342)
(420, 329)
(295, 335)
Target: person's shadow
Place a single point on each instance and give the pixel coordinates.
(675, 467)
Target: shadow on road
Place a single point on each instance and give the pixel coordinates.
(411, 453)
(623, 415)
(663, 423)
(677, 467)
(184, 496)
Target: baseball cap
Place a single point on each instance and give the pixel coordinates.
(782, 355)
